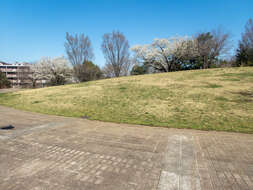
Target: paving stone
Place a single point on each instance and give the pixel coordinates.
(50, 152)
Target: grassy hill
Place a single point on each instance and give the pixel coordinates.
(213, 99)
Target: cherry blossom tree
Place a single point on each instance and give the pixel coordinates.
(35, 74)
(166, 55)
(54, 70)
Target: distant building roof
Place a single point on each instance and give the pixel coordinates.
(3, 63)
(14, 64)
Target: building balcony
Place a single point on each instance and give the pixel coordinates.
(8, 70)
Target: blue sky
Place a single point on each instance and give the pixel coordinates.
(31, 29)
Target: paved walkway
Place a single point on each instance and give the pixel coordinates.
(49, 152)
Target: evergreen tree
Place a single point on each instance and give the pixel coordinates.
(4, 83)
(244, 53)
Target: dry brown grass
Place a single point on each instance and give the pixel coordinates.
(213, 99)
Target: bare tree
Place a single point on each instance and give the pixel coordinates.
(244, 54)
(79, 50)
(247, 36)
(222, 43)
(108, 71)
(212, 45)
(116, 52)
(126, 68)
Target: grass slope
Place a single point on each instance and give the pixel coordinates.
(213, 99)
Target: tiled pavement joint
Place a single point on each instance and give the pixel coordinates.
(179, 165)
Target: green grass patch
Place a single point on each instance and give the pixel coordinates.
(239, 75)
(221, 98)
(213, 86)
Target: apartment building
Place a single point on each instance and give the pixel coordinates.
(15, 73)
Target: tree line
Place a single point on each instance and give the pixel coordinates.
(78, 66)
(202, 51)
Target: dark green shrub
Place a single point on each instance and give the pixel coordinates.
(4, 83)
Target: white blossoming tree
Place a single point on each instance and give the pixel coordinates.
(35, 74)
(166, 55)
(54, 70)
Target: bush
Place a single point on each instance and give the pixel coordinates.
(4, 83)
(87, 71)
(57, 80)
(139, 70)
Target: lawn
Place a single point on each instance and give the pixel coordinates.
(213, 99)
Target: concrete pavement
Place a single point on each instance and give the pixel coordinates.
(50, 152)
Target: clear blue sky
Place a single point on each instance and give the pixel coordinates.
(31, 29)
